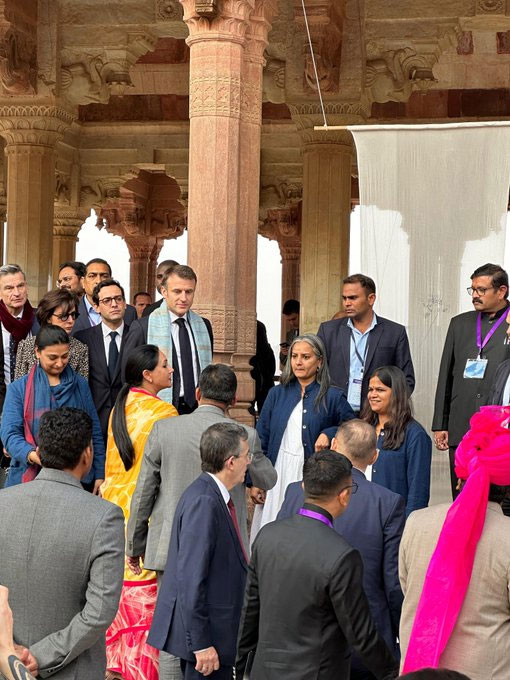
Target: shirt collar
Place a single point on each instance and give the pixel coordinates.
(174, 317)
(317, 508)
(371, 327)
(223, 489)
(106, 330)
(88, 305)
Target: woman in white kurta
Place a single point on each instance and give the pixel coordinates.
(295, 413)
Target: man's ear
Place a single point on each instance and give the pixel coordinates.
(374, 457)
(334, 444)
(87, 455)
(198, 394)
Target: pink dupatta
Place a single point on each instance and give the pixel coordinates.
(482, 458)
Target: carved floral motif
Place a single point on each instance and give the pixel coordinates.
(490, 6)
(215, 95)
(169, 10)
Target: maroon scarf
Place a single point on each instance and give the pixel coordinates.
(18, 328)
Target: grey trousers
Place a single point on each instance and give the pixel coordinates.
(169, 665)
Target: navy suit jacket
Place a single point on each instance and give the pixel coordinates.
(201, 595)
(83, 321)
(387, 346)
(373, 524)
(138, 333)
(104, 391)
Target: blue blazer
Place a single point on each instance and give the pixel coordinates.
(279, 405)
(13, 434)
(387, 346)
(201, 595)
(373, 524)
(406, 470)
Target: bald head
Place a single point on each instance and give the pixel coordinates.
(357, 440)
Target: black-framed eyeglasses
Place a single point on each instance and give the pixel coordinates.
(353, 486)
(479, 291)
(108, 300)
(64, 317)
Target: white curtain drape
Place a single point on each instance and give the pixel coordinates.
(434, 204)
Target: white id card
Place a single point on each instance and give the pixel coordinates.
(475, 368)
(355, 391)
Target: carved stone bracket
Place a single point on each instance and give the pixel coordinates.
(68, 221)
(41, 125)
(283, 225)
(325, 20)
(18, 47)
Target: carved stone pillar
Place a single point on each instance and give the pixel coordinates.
(220, 228)
(249, 182)
(325, 229)
(284, 225)
(140, 251)
(31, 133)
(153, 265)
(67, 222)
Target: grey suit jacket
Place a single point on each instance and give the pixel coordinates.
(479, 645)
(171, 462)
(62, 560)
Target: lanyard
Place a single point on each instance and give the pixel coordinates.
(356, 352)
(481, 344)
(315, 515)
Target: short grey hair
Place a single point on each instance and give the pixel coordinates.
(357, 440)
(322, 377)
(7, 269)
(218, 443)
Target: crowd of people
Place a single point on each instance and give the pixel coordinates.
(145, 534)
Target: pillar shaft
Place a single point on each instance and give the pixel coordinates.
(67, 223)
(291, 268)
(325, 230)
(140, 250)
(31, 133)
(225, 120)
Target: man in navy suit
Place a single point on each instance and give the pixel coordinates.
(201, 595)
(373, 523)
(361, 342)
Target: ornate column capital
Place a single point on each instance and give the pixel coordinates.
(210, 21)
(140, 247)
(41, 125)
(258, 30)
(307, 116)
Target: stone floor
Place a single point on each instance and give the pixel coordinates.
(440, 491)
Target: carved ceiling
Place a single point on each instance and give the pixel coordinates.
(120, 68)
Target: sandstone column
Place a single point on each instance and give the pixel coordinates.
(67, 223)
(249, 182)
(31, 133)
(325, 226)
(153, 265)
(140, 251)
(217, 236)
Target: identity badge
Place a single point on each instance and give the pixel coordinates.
(475, 368)
(355, 391)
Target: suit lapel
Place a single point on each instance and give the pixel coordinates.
(98, 346)
(119, 361)
(373, 340)
(228, 519)
(345, 346)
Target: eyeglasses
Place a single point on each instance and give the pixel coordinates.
(109, 300)
(479, 291)
(249, 457)
(64, 317)
(353, 486)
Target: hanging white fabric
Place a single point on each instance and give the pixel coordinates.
(434, 204)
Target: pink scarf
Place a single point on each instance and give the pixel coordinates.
(482, 458)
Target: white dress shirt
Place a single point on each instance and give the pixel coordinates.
(92, 313)
(222, 488)
(6, 339)
(107, 339)
(175, 339)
